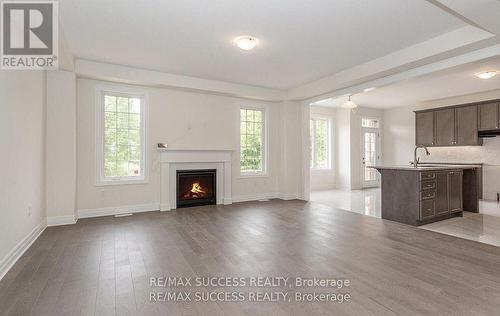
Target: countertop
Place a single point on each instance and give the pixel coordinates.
(424, 167)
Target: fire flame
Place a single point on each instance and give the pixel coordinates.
(197, 189)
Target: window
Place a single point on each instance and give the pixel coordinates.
(320, 143)
(369, 122)
(121, 138)
(252, 141)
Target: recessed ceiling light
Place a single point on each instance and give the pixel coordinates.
(369, 89)
(246, 42)
(486, 74)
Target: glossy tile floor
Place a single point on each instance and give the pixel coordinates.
(103, 266)
(366, 202)
(483, 227)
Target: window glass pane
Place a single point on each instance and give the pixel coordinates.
(110, 120)
(367, 122)
(134, 121)
(122, 137)
(135, 105)
(311, 144)
(320, 143)
(251, 140)
(109, 103)
(122, 104)
(122, 120)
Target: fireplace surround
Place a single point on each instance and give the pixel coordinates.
(172, 160)
(196, 187)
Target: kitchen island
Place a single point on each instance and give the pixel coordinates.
(429, 193)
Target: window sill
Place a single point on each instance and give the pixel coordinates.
(253, 175)
(320, 170)
(104, 183)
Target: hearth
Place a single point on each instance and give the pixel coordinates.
(196, 187)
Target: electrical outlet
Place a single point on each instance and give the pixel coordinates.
(29, 210)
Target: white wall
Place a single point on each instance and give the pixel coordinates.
(290, 178)
(22, 130)
(61, 147)
(343, 149)
(325, 179)
(399, 138)
(184, 120)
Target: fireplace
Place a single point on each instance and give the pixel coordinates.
(196, 187)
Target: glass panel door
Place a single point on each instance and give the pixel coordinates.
(370, 157)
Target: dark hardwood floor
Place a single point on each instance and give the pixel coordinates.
(103, 266)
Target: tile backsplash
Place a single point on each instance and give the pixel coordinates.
(488, 154)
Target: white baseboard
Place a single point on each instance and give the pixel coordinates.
(165, 207)
(254, 197)
(263, 196)
(61, 220)
(109, 211)
(288, 196)
(11, 258)
(227, 201)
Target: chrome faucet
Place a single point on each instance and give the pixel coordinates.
(417, 160)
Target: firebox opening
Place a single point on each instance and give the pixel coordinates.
(196, 187)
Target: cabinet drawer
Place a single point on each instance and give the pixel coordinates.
(425, 195)
(427, 208)
(427, 176)
(428, 185)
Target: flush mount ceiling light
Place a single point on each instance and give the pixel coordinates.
(369, 89)
(246, 42)
(486, 74)
(349, 104)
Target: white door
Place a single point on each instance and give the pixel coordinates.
(370, 156)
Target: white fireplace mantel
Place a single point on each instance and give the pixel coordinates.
(172, 160)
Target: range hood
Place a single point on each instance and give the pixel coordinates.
(489, 133)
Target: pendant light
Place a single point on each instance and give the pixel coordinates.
(349, 104)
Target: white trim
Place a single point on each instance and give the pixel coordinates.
(117, 210)
(263, 196)
(130, 75)
(60, 220)
(288, 196)
(254, 197)
(378, 130)
(119, 90)
(11, 258)
(265, 142)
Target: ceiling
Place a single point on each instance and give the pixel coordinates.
(300, 41)
(451, 82)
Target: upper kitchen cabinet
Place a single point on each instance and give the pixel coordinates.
(466, 126)
(424, 123)
(488, 116)
(445, 127)
(456, 125)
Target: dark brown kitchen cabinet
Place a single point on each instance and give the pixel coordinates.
(442, 205)
(424, 128)
(444, 121)
(456, 125)
(488, 116)
(441, 193)
(455, 181)
(466, 125)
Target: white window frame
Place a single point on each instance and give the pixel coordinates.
(328, 142)
(120, 91)
(265, 129)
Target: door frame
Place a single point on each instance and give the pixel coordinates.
(376, 183)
